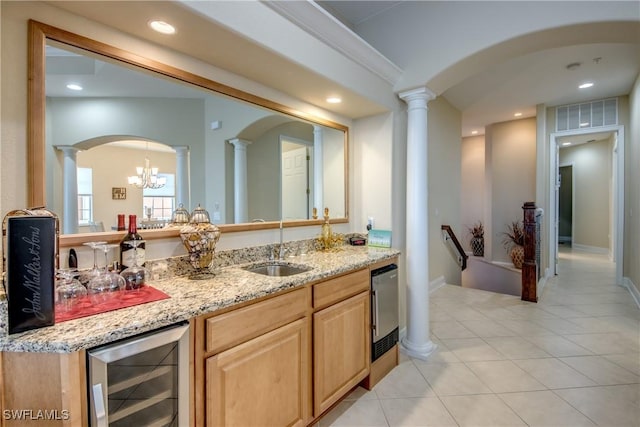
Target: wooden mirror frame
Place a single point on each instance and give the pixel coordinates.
(39, 33)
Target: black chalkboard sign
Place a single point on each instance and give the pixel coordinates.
(31, 272)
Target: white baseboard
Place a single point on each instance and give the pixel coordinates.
(436, 284)
(633, 289)
(542, 282)
(590, 249)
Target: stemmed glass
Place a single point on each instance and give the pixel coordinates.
(68, 290)
(95, 271)
(106, 281)
(135, 276)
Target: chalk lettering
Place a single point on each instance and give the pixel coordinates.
(32, 275)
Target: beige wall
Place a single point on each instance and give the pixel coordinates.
(110, 168)
(168, 121)
(472, 194)
(373, 172)
(632, 191)
(444, 187)
(592, 171)
(510, 163)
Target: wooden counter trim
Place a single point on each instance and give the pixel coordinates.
(235, 327)
(342, 287)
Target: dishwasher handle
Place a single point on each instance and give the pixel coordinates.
(374, 320)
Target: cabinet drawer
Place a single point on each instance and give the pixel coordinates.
(334, 290)
(235, 327)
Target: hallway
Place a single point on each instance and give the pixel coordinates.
(573, 359)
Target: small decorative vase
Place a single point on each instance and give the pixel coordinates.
(477, 246)
(517, 256)
(199, 237)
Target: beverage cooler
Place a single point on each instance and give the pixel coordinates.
(141, 381)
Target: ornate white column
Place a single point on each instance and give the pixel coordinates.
(69, 189)
(183, 195)
(318, 175)
(240, 194)
(417, 343)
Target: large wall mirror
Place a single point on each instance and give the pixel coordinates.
(141, 137)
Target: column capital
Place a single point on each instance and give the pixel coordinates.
(422, 93)
(180, 148)
(67, 149)
(239, 143)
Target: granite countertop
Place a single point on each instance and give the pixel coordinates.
(188, 298)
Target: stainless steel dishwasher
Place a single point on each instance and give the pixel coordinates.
(384, 309)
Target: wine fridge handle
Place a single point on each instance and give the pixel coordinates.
(98, 406)
(374, 297)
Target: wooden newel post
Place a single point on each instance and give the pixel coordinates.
(529, 279)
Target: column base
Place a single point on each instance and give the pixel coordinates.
(421, 352)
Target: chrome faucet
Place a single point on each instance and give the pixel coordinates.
(281, 250)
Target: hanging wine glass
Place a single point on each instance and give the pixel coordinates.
(107, 281)
(68, 290)
(95, 271)
(135, 276)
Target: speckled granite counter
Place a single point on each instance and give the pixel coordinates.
(189, 298)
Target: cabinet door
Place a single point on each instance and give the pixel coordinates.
(265, 381)
(341, 339)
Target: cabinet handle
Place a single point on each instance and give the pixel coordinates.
(98, 406)
(374, 297)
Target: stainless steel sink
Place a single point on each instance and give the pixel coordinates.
(277, 269)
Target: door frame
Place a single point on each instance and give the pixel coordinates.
(618, 195)
(573, 195)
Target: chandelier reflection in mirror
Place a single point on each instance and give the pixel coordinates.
(147, 176)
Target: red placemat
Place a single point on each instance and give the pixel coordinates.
(108, 301)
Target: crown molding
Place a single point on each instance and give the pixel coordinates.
(318, 22)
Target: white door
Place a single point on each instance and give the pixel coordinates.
(295, 184)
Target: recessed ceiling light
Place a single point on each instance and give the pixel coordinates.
(566, 143)
(74, 86)
(162, 27)
(334, 100)
(474, 132)
(517, 114)
(585, 85)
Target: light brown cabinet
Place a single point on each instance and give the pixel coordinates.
(264, 381)
(256, 364)
(341, 355)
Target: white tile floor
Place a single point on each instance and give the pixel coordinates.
(572, 359)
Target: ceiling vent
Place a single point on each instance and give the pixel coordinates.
(587, 115)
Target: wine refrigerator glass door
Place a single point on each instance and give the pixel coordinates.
(142, 381)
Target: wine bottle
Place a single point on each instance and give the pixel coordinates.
(126, 248)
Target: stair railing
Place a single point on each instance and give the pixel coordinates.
(455, 249)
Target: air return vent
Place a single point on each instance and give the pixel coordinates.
(587, 115)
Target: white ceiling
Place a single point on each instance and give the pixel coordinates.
(519, 84)
(493, 95)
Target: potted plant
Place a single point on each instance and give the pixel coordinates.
(477, 238)
(513, 242)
